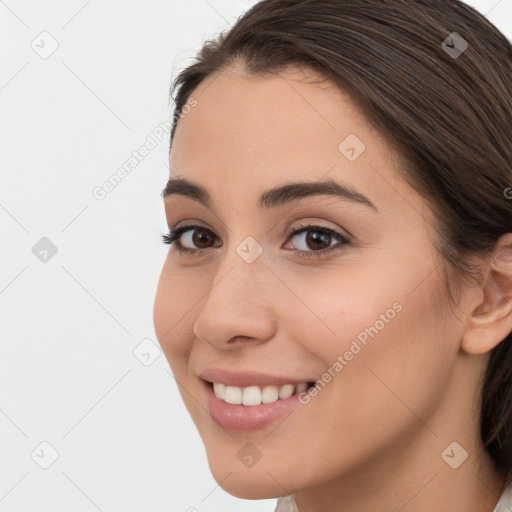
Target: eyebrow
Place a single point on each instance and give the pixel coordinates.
(273, 197)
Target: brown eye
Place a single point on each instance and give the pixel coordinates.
(317, 240)
(311, 240)
(201, 238)
(192, 238)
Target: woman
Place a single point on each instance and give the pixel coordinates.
(336, 304)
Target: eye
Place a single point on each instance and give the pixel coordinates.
(312, 240)
(191, 239)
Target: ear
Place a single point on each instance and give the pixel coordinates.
(490, 321)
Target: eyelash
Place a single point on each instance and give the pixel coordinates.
(174, 234)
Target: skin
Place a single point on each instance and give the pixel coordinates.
(372, 438)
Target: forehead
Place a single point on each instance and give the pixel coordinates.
(250, 132)
(292, 112)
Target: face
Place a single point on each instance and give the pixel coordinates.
(336, 286)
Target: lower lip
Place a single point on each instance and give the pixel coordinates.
(248, 417)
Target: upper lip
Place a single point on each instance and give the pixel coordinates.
(246, 378)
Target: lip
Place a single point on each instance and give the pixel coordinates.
(247, 418)
(246, 378)
(244, 417)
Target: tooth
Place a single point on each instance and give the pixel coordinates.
(286, 391)
(219, 390)
(269, 394)
(254, 395)
(251, 395)
(233, 395)
(301, 387)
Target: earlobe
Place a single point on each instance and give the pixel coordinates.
(491, 320)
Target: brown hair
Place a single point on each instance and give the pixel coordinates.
(448, 114)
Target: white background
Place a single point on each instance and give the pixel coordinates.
(70, 325)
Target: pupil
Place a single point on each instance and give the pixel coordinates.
(313, 240)
(198, 239)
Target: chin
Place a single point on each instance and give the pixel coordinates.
(267, 479)
(247, 485)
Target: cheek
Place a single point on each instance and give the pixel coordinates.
(335, 311)
(378, 347)
(172, 314)
(402, 369)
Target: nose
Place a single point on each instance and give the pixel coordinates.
(238, 308)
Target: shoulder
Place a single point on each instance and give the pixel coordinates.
(505, 502)
(286, 505)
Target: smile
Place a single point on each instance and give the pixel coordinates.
(246, 400)
(257, 395)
